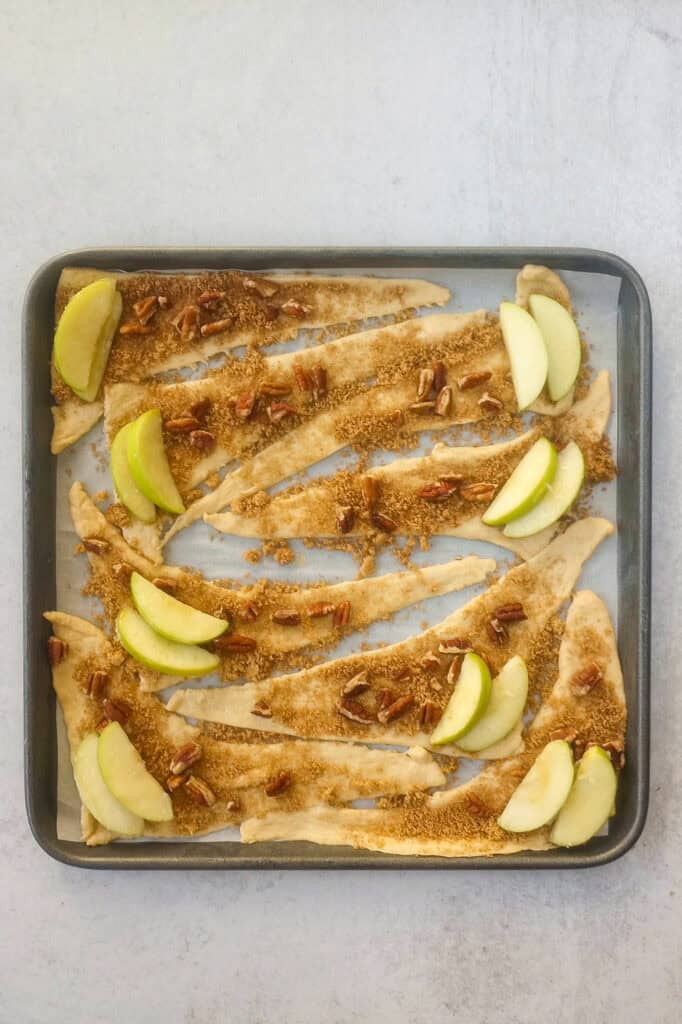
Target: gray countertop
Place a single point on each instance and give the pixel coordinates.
(329, 123)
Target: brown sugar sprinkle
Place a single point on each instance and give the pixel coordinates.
(253, 555)
(278, 784)
(57, 650)
(145, 309)
(284, 555)
(475, 805)
(118, 515)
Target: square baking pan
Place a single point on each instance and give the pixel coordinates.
(633, 552)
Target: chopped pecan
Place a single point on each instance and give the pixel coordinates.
(278, 783)
(319, 610)
(475, 805)
(204, 440)
(489, 403)
(286, 617)
(273, 389)
(370, 492)
(422, 408)
(443, 401)
(473, 380)
(455, 668)
(345, 519)
(245, 404)
(181, 425)
(429, 715)
(216, 327)
(102, 724)
(437, 492)
(440, 375)
(451, 478)
(145, 309)
(497, 631)
(512, 612)
(354, 711)
(278, 410)
(615, 750)
(122, 571)
(586, 679)
(341, 616)
(164, 583)
(396, 709)
(478, 492)
(564, 733)
(117, 710)
(319, 381)
(355, 686)
(386, 697)
(249, 612)
(299, 310)
(96, 545)
(431, 662)
(57, 650)
(185, 757)
(232, 806)
(424, 383)
(304, 381)
(261, 710)
(174, 782)
(210, 299)
(455, 645)
(199, 791)
(133, 328)
(266, 289)
(384, 522)
(397, 418)
(97, 683)
(162, 301)
(186, 323)
(235, 643)
(201, 409)
(403, 673)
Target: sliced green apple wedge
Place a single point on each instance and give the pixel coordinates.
(541, 795)
(561, 337)
(526, 486)
(149, 465)
(172, 618)
(467, 703)
(508, 697)
(97, 796)
(590, 801)
(558, 497)
(126, 488)
(125, 774)
(84, 334)
(526, 350)
(154, 651)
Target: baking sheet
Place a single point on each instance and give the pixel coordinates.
(595, 298)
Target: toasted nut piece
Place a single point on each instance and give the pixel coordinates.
(185, 757)
(579, 747)
(102, 724)
(145, 309)
(437, 492)
(233, 806)
(614, 748)
(216, 327)
(397, 418)
(345, 519)
(278, 410)
(319, 610)
(512, 612)
(354, 711)
(370, 492)
(396, 709)
(273, 389)
(181, 425)
(249, 612)
(164, 583)
(96, 545)
(286, 617)
(57, 650)
(564, 733)
(341, 616)
(235, 643)
(455, 669)
(440, 375)
(299, 310)
(451, 478)
(386, 697)
(97, 683)
(134, 328)
(424, 383)
(489, 403)
(186, 323)
(304, 380)
(384, 522)
(270, 312)
(431, 662)
(261, 710)
(162, 301)
(422, 408)
(175, 782)
(203, 440)
(478, 492)
(497, 631)
(475, 805)
(355, 686)
(122, 571)
(319, 381)
(278, 783)
(455, 645)
(210, 299)
(586, 679)
(443, 401)
(117, 710)
(201, 409)
(245, 404)
(429, 715)
(403, 673)
(473, 380)
(199, 791)
(261, 286)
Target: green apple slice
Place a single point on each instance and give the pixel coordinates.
(97, 796)
(540, 796)
(561, 337)
(557, 499)
(526, 486)
(467, 703)
(170, 617)
(527, 352)
(124, 772)
(590, 801)
(508, 697)
(149, 465)
(84, 334)
(163, 655)
(126, 488)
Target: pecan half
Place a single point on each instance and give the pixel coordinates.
(473, 380)
(203, 440)
(478, 492)
(278, 783)
(278, 410)
(424, 383)
(134, 328)
(385, 698)
(455, 645)
(497, 631)
(185, 757)
(319, 610)
(97, 683)
(261, 710)
(245, 404)
(167, 585)
(175, 782)
(431, 662)
(370, 492)
(355, 686)
(181, 425)
(396, 709)
(57, 650)
(199, 791)
(286, 617)
(186, 323)
(216, 327)
(117, 710)
(235, 643)
(266, 289)
(440, 375)
(489, 403)
(429, 715)
(422, 408)
(384, 522)
(512, 612)
(586, 679)
(273, 389)
(122, 571)
(96, 545)
(296, 309)
(319, 381)
(345, 519)
(201, 409)
(210, 299)
(437, 492)
(443, 401)
(341, 616)
(304, 381)
(145, 309)
(354, 711)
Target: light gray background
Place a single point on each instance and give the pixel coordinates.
(325, 122)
